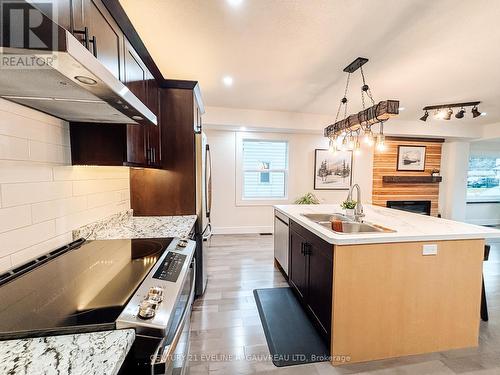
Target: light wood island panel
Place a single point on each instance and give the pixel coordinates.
(390, 301)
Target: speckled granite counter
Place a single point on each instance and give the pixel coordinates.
(124, 225)
(88, 353)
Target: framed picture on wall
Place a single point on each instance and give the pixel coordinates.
(411, 158)
(332, 171)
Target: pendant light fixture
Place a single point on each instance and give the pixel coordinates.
(346, 133)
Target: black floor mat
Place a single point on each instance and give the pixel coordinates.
(291, 337)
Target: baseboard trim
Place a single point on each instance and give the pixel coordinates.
(242, 230)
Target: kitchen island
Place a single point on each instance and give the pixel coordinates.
(412, 288)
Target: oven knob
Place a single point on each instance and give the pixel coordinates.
(182, 243)
(155, 294)
(146, 310)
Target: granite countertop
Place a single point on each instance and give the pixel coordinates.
(124, 225)
(407, 226)
(85, 353)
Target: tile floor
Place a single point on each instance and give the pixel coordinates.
(227, 336)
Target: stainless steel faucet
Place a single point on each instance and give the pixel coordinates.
(358, 209)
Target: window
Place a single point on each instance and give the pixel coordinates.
(264, 169)
(483, 178)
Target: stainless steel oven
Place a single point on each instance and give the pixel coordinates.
(144, 284)
(172, 354)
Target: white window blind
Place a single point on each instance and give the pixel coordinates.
(265, 169)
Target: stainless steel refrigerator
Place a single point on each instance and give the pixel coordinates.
(203, 227)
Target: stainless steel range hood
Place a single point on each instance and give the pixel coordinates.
(74, 86)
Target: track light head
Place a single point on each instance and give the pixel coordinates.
(425, 116)
(461, 113)
(475, 112)
(448, 114)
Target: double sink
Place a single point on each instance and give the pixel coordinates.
(349, 226)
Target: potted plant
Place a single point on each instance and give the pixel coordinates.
(348, 206)
(308, 198)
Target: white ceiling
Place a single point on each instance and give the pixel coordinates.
(288, 55)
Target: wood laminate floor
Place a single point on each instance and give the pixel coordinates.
(227, 335)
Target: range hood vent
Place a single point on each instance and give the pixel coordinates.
(70, 83)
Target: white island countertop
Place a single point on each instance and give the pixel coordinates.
(408, 226)
(79, 354)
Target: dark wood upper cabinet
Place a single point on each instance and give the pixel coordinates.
(173, 191)
(154, 146)
(115, 144)
(96, 29)
(135, 73)
(136, 145)
(62, 10)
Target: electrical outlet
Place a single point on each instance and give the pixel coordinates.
(430, 249)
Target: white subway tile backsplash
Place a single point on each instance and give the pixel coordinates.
(20, 171)
(61, 207)
(125, 195)
(49, 153)
(18, 239)
(67, 223)
(22, 127)
(33, 192)
(5, 264)
(42, 197)
(14, 111)
(101, 199)
(12, 148)
(14, 217)
(91, 187)
(37, 250)
(90, 173)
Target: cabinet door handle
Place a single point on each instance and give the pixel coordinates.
(302, 248)
(85, 33)
(94, 45)
(307, 249)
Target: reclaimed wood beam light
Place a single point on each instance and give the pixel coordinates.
(378, 113)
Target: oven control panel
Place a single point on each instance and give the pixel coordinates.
(149, 310)
(170, 267)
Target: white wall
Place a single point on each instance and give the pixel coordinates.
(228, 217)
(43, 198)
(453, 189)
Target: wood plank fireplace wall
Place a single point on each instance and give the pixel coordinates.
(385, 164)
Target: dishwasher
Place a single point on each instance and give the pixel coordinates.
(281, 240)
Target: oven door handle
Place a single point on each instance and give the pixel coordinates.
(163, 353)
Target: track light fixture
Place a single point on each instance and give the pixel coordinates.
(425, 116)
(448, 114)
(461, 113)
(445, 111)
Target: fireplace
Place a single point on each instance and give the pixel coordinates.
(419, 207)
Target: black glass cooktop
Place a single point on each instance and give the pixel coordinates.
(83, 289)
